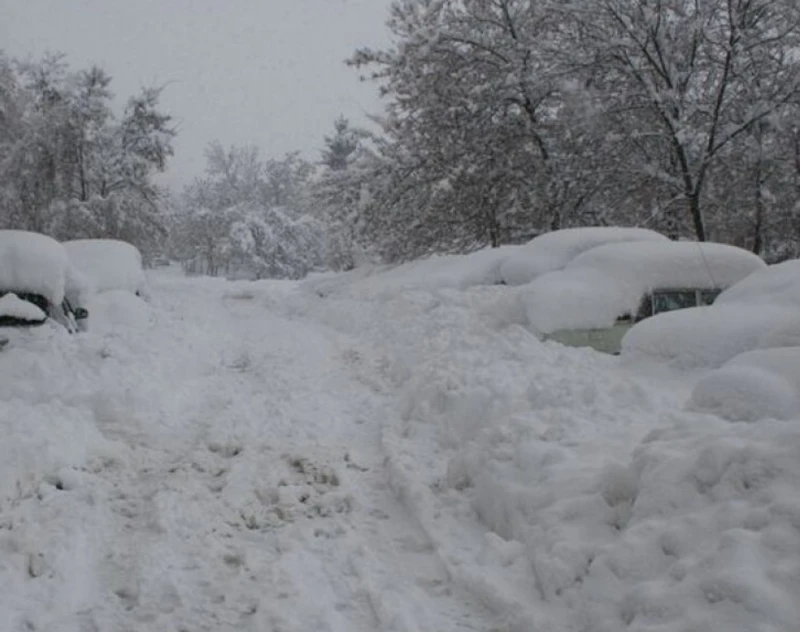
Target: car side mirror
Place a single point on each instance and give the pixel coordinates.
(81, 313)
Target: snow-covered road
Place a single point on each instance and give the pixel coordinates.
(230, 477)
(313, 457)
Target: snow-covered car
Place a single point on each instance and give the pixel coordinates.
(109, 264)
(757, 384)
(37, 285)
(601, 293)
(760, 311)
(554, 250)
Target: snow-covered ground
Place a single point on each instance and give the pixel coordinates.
(376, 456)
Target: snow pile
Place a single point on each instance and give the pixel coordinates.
(761, 311)
(109, 264)
(758, 384)
(608, 282)
(710, 336)
(481, 267)
(118, 309)
(11, 306)
(33, 263)
(565, 490)
(554, 250)
(778, 284)
(511, 265)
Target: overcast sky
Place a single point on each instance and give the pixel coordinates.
(267, 72)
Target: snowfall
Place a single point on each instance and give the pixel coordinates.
(382, 450)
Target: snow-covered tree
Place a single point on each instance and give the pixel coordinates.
(250, 217)
(479, 150)
(68, 167)
(509, 117)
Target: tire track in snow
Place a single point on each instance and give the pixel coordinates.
(389, 562)
(249, 491)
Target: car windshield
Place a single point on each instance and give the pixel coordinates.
(14, 321)
(669, 300)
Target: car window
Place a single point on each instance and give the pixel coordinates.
(669, 300)
(707, 297)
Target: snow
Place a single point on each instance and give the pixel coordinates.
(511, 265)
(33, 263)
(481, 267)
(14, 307)
(109, 264)
(778, 284)
(760, 311)
(554, 250)
(707, 337)
(758, 384)
(388, 455)
(609, 281)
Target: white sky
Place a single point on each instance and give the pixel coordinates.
(266, 72)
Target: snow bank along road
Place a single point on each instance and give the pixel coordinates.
(275, 457)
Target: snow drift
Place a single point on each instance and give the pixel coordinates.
(758, 384)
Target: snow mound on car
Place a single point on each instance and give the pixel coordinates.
(109, 264)
(33, 263)
(554, 250)
(710, 336)
(608, 282)
(760, 311)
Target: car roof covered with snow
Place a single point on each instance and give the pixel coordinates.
(109, 264)
(609, 281)
(554, 250)
(34, 263)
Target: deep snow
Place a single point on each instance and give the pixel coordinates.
(361, 452)
(33, 263)
(109, 264)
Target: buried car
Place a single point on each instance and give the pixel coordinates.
(109, 264)
(600, 294)
(38, 284)
(760, 311)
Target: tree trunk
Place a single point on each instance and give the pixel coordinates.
(697, 216)
(758, 229)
